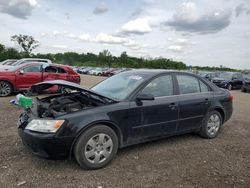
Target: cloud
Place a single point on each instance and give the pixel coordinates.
(113, 39)
(100, 9)
(175, 48)
(181, 41)
(109, 39)
(188, 19)
(137, 26)
(67, 15)
(84, 37)
(59, 46)
(240, 9)
(178, 45)
(18, 8)
(56, 33)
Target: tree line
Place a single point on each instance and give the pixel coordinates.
(103, 59)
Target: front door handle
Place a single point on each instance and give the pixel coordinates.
(172, 105)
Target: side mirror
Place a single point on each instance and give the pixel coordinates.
(21, 72)
(146, 97)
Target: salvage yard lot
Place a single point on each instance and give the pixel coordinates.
(180, 161)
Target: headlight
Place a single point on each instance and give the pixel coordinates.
(45, 126)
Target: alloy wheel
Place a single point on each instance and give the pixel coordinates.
(213, 124)
(5, 89)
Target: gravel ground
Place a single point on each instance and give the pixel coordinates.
(180, 161)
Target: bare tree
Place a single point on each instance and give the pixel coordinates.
(26, 42)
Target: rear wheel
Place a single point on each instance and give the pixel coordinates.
(211, 125)
(5, 88)
(96, 147)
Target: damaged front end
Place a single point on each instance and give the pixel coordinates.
(78, 98)
(43, 126)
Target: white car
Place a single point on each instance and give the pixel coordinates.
(8, 62)
(31, 60)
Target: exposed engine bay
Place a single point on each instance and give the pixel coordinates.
(58, 105)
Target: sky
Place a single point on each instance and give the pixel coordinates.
(198, 32)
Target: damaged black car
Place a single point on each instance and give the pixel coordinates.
(128, 108)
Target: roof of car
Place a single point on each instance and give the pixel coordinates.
(156, 71)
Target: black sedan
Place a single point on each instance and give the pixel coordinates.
(128, 108)
(228, 80)
(246, 83)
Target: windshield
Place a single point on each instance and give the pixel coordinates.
(17, 62)
(121, 85)
(226, 75)
(246, 76)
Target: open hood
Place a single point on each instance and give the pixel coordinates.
(66, 84)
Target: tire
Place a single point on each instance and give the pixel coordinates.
(96, 147)
(229, 86)
(243, 89)
(211, 125)
(6, 89)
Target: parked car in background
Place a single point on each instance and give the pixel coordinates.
(20, 78)
(85, 70)
(246, 83)
(8, 62)
(209, 76)
(126, 109)
(228, 80)
(31, 60)
(97, 71)
(108, 72)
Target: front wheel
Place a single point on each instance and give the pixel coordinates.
(229, 87)
(96, 147)
(211, 125)
(243, 89)
(5, 89)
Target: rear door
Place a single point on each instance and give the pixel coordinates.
(54, 73)
(28, 76)
(195, 98)
(152, 118)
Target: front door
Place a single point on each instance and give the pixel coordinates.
(28, 76)
(153, 118)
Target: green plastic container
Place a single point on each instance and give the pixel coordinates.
(25, 101)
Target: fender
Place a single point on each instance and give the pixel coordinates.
(108, 123)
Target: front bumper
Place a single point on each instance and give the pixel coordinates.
(246, 86)
(46, 145)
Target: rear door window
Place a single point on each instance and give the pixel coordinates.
(160, 87)
(188, 84)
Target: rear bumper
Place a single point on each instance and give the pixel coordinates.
(46, 145)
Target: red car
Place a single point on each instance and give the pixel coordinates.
(18, 78)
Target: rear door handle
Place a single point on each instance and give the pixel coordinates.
(206, 101)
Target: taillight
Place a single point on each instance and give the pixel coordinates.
(231, 97)
(78, 79)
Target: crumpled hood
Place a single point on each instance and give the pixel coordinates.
(66, 84)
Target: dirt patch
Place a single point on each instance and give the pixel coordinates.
(180, 161)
